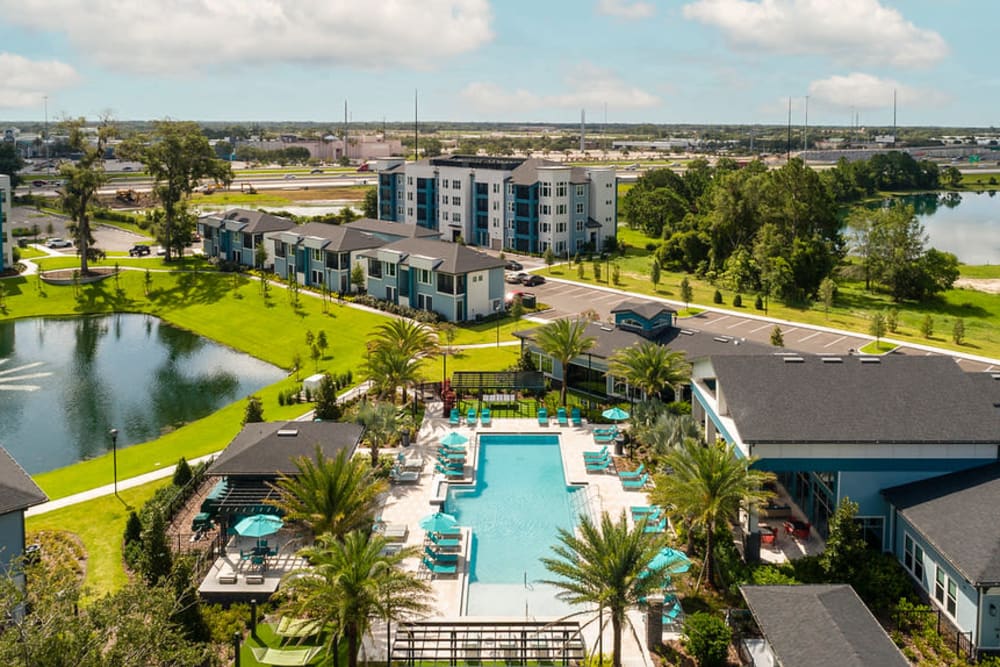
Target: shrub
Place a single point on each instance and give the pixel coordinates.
(707, 639)
(223, 622)
(769, 575)
(717, 297)
(738, 301)
(182, 473)
(281, 398)
(758, 303)
(650, 247)
(133, 528)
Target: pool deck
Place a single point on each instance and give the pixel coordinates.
(406, 503)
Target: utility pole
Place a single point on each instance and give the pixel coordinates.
(45, 138)
(416, 136)
(788, 140)
(805, 128)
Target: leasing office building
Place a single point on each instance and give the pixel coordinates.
(504, 203)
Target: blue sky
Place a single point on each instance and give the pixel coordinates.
(658, 61)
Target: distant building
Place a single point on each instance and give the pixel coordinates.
(332, 148)
(6, 250)
(504, 203)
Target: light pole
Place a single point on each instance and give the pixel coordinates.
(114, 461)
(497, 308)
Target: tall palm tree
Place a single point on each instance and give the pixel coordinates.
(333, 496)
(708, 485)
(349, 583)
(564, 340)
(650, 367)
(665, 431)
(396, 351)
(412, 338)
(605, 565)
(382, 422)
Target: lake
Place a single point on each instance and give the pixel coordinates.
(65, 382)
(964, 223)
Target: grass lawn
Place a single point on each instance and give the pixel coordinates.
(981, 271)
(187, 263)
(265, 636)
(881, 347)
(30, 253)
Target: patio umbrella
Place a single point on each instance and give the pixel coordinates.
(673, 560)
(438, 522)
(258, 525)
(454, 438)
(615, 414)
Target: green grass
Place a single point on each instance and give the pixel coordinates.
(154, 263)
(981, 271)
(265, 636)
(881, 347)
(472, 333)
(30, 253)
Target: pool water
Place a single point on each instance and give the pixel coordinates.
(519, 502)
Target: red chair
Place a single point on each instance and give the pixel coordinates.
(798, 529)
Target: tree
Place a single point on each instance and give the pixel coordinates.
(382, 423)
(564, 340)
(332, 496)
(597, 271)
(327, 408)
(316, 355)
(876, 327)
(687, 293)
(927, 326)
(398, 349)
(580, 271)
(517, 311)
(81, 181)
(707, 638)
(370, 207)
(709, 485)
(892, 320)
(651, 368)
(321, 342)
(958, 331)
(260, 256)
(254, 412)
(845, 545)
(352, 582)
(654, 274)
(549, 258)
(605, 565)
(777, 338)
(10, 163)
(182, 473)
(177, 156)
(616, 273)
(717, 297)
(827, 291)
(155, 562)
(357, 278)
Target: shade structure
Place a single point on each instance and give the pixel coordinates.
(258, 525)
(454, 438)
(672, 560)
(438, 522)
(615, 414)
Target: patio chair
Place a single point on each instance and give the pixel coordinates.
(451, 464)
(450, 455)
(574, 416)
(606, 430)
(297, 628)
(471, 417)
(561, 417)
(400, 476)
(605, 437)
(454, 419)
(543, 417)
(444, 542)
(485, 417)
(635, 484)
(600, 454)
(450, 473)
(410, 461)
(634, 474)
(641, 511)
(285, 656)
(439, 568)
(653, 526)
(440, 557)
(598, 466)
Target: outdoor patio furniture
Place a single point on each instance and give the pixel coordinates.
(226, 578)
(635, 484)
(654, 526)
(600, 454)
(767, 535)
(451, 473)
(561, 417)
(543, 417)
(574, 416)
(398, 476)
(645, 511)
(455, 418)
(410, 461)
(798, 529)
(394, 531)
(297, 628)
(451, 454)
(598, 466)
(634, 474)
(440, 557)
(606, 436)
(285, 657)
(444, 542)
(471, 417)
(485, 417)
(439, 568)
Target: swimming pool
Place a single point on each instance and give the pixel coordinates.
(515, 509)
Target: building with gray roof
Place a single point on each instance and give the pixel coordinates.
(18, 492)
(233, 235)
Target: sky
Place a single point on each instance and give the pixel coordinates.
(621, 61)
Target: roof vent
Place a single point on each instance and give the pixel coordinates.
(794, 360)
(722, 339)
(287, 432)
(995, 376)
(870, 360)
(832, 360)
(607, 327)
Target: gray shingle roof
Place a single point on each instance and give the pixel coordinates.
(891, 399)
(956, 513)
(400, 229)
(647, 309)
(257, 222)
(821, 626)
(17, 490)
(260, 451)
(455, 257)
(341, 237)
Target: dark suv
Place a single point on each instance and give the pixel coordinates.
(139, 250)
(511, 265)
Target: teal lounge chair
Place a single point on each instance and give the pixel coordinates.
(440, 568)
(485, 417)
(634, 474)
(562, 418)
(574, 416)
(543, 417)
(449, 472)
(655, 526)
(645, 512)
(451, 465)
(471, 417)
(598, 466)
(601, 430)
(605, 437)
(597, 455)
(451, 455)
(444, 542)
(454, 449)
(633, 484)
(454, 419)
(441, 558)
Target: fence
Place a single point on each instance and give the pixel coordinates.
(911, 618)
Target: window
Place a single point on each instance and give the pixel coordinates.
(561, 189)
(280, 249)
(952, 602)
(496, 188)
(409, 211)
(510, 207)
(456, 201)
(374, 268)
(545, 190)
(543, 363)
(544, 209)
(545, 228)
(579, 244)
(390, 269)
(496, 222)
(409, 180)
(913, 558)
(444, 184)
(425, 302)
(560, 227)
(409, 196)
(939, 584)
(579, 208)
(317, 255)
(446, 283)
(496, 205)
(247, 240)
(424, 276)
(457, 185)
(579, 191)
(560, 209)
(510, 189)
(579, 225)
(456, 217)
(399, 210)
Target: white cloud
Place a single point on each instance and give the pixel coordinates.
(586, 86)
(25, 82)
(624, 9)
(166, 36)
(851, 32)
(864, 91)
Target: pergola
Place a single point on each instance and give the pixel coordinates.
(483, 643)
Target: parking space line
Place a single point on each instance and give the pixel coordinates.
(831, 344)
(785, 333)
(724, 317)
(741, 322)
(766, 326)
(812, 335)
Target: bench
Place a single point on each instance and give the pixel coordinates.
(226, 578)
(254, 578)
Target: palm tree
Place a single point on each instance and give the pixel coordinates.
(564, 340)
(412, 338)
(708, 484)
(605, 565)
(382, 421)
(650, 367)
(333, 496)
(349, 583)
(664, 431)
(397, 349)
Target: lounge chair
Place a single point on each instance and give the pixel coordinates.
(634, 474)
(485, 417)
(653, 526)
(605, 430)
(543, 417)
(471, 417)
(285, 656)
(441, 558)
(645, 512)
(574, 416)
(400, 476)
(562, 418)
(454, 419)
(451, 454)
(451, 448)
(631, 484)
(602, 453)
(453, 463)
(444, 542)
(297, 628)
(439, 568)
(449, 472)
(605, 437)
(598, 466)
(410, 462)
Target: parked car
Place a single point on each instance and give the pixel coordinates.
(139, 250)
(59, 243)
(289, 177)
(316, 171)
(532, 279)
(39, 184)
(511, 265)
(513, 278)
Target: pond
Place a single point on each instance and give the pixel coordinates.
(964, 223)
(65, 382)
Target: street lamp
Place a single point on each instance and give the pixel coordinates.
(114, 460)
(496, 307)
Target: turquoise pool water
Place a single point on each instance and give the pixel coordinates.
(519, 502)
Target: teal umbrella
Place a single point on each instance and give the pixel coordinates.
(258, 525)
(615, 414)
(438, 522)
(672, 560)
(454, 438)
